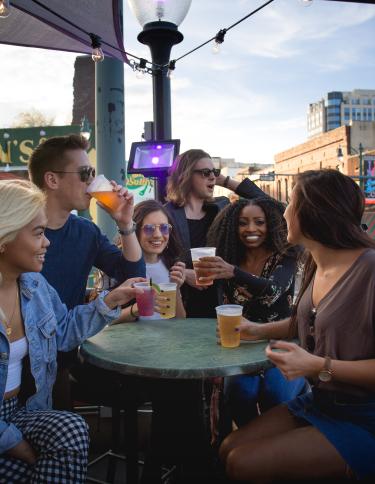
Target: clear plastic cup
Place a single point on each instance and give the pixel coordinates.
(145, 301)
(196, 254)
(229, 317)
(169, 290)
(102, 189)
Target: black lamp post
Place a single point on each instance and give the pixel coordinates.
(160, 20)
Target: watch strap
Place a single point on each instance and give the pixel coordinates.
(128, 231)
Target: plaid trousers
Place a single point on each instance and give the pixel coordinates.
(60, 439)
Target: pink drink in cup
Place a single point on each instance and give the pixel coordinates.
(145, 301)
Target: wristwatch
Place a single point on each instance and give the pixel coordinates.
(325, 374)
(128, 231)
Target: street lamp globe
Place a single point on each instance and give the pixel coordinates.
(147, 11)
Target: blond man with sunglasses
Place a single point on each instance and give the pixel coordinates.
(61, 168)
(192, 206)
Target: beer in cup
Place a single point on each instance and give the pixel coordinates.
(145, 301)
(102, 189)
(168, 290)
(196, 254)
(229, 317)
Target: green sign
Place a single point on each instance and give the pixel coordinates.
(17, 144)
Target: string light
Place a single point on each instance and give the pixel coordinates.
(4, 8)
(96, 41)
(171, 68)
(219, 39)
(96, 44)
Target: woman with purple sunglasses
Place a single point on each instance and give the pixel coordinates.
(162, 252)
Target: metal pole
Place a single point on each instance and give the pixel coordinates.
(110, 129)
(361, 185)
(160, 37)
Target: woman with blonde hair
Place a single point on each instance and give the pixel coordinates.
(38, 445)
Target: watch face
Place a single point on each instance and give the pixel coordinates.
(325, 376)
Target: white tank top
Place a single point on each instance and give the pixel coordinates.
(18, 350)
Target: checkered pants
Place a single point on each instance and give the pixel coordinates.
(60, 439)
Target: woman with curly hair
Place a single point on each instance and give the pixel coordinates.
(257, 267)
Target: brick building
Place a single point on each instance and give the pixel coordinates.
(320, 152)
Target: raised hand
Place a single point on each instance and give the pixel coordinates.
(123, 214)
(216, 266)
(177, 273)
(123, 293)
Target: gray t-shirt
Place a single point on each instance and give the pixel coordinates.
(345, 319)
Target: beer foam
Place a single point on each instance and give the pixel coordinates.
(229, 310)
(198, 252)
(100, 184)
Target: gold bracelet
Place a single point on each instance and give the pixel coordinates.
(131, 311)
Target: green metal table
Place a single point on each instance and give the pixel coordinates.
(168, 353)
(173, 348)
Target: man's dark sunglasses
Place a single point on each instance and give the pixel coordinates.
(84, 173)
(310, 338)
(206, 172)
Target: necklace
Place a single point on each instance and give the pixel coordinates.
(9, 323)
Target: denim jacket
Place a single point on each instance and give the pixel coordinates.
(49, 327)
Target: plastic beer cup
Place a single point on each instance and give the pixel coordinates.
(229, 317)
(102, 189)
(145, 301)
(169, 290)
(196, 254)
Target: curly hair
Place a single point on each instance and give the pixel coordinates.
(180, 176)
(173, 252)
(223, 233)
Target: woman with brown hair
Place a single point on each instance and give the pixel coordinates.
(162, 253)
(328, 432)
(192, 207)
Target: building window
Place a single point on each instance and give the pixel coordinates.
(279, 190)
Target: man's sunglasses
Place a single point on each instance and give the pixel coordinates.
(310, 338)
(84, 173)
(149, 229)
(206, 172)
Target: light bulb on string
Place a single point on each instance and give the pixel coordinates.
(4, 8)
(219, 39)
(141, 69)
(96, 44)
(140, 73)
(171, 68)
(306, 3)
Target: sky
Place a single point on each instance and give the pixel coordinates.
(249, 102)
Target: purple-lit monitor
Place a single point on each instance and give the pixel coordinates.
(152, 157)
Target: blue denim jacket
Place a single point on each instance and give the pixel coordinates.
(49, 327)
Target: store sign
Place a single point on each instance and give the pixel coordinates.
(369, 171)
(17, 144)
(141, 187)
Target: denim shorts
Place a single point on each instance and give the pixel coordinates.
(347, 421)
